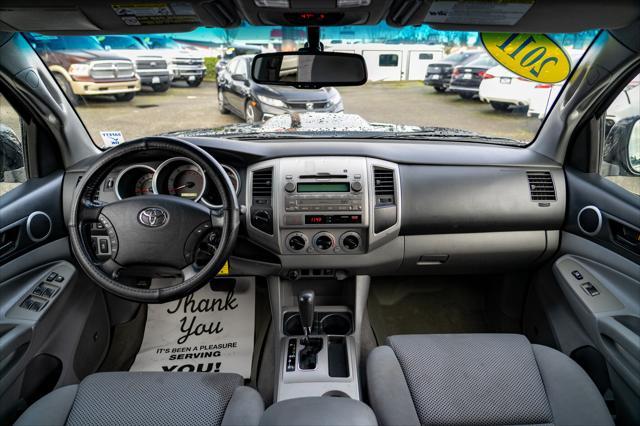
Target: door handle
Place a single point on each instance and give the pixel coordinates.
(12, 338)
(622, 335)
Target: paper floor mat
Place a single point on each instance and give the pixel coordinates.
(210, 330)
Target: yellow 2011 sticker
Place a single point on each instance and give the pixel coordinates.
(533, 56)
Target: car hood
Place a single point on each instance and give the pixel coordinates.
(312, 122)
(137, 54)
(81, 56)
(291, 94)
(174, 53)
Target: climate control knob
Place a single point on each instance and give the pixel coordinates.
(323, 241)
(297, 241)
(350, 241)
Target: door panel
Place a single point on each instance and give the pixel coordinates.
(46, 303)
(598, 271)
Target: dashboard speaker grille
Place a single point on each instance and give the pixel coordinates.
(262, 182)
(541, 186)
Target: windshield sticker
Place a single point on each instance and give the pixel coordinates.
(112, 138)
(478, 12)
(134, 14)
(533, 56)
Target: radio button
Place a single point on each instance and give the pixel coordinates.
(290, 187)
(356, 186)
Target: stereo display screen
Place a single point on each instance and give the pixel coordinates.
(324, 187)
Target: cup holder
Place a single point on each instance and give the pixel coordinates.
(336, 324)
(336, 394)
(327, 323)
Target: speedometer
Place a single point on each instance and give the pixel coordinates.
(186, 181)
(144, 184)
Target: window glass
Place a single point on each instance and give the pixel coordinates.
(388, 61)
(12, 171)
(409, 88)
(621, 151)
(241, 68)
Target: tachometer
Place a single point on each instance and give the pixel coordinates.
(144, 184)
(186, 181)
(134, 180)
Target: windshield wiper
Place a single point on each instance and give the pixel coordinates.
(448, 136)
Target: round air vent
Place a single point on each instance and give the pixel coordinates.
(590, 220)
(38, 226)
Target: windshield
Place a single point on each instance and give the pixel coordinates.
(161, 43)
(121, 42)
(423, 84)
(64, 43)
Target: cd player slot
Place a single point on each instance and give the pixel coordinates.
(323, 176)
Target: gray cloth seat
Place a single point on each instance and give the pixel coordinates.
(149, 399)
(479, 379)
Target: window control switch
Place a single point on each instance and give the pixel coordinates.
(577, 275)
(46, 290)
(590, 289)
(34, 303)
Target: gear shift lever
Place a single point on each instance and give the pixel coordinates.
(306, 306)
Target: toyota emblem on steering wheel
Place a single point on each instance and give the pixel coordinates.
(153, 217)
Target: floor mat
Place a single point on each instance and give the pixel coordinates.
(211, 330)
(422, 305)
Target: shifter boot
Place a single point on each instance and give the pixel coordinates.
(309, 353)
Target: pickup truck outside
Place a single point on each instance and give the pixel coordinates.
(185, 65)
(83, 68)
(152, 68)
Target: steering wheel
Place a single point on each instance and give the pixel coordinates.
(154, 235)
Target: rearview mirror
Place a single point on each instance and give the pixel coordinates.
(309, 70)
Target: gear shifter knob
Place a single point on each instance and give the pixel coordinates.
(306, 306)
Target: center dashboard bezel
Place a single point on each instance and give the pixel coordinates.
(322, 168)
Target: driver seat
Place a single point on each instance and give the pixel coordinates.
(146, 398)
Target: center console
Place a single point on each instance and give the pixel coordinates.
(306, 207)
(317, 326)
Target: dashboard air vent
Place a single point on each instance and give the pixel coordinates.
(384, 185)
(262, 182)
(541, 186)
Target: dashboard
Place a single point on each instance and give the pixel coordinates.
(336, 208)
(176, 176)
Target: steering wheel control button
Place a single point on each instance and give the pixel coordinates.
(323, 241)
(153, 217)
(112, 237)
(297, 241)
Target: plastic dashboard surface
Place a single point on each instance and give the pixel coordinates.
(442, 188)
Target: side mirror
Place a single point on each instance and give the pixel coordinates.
(622, 146)
(11, 158)
(238, 77)
(309, 70)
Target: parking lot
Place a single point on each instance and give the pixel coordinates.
(409, 103)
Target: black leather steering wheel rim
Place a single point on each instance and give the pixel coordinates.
(228, 216)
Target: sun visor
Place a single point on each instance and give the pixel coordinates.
(117, 17)
(56, 19)
(523, 16)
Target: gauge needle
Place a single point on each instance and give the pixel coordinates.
(186, 185)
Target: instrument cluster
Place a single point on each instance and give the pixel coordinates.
(176, 176)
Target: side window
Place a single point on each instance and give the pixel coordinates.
(621, 150)
(242, 68)
(12, 171)
(425, 56)
(232, 66)
(388, 61)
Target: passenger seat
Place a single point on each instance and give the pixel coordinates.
(479, 379)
